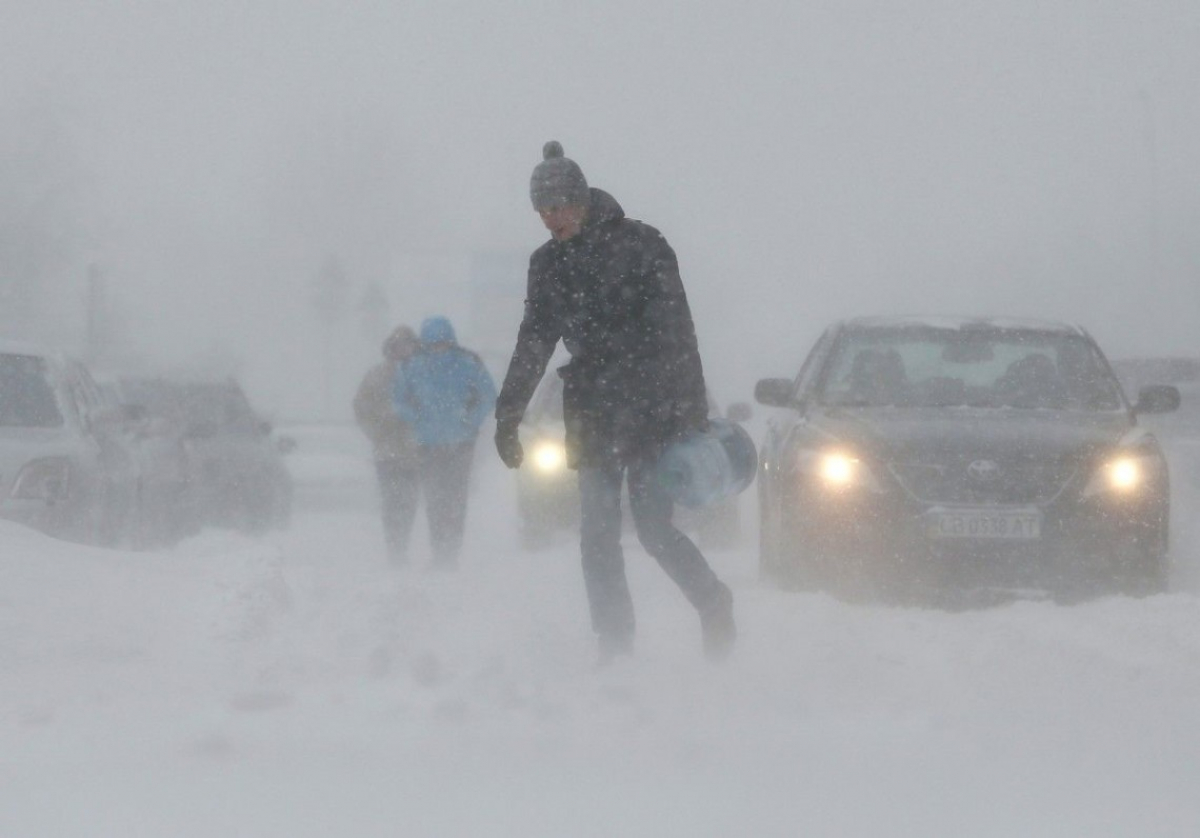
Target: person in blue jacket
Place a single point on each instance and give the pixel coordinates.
(445, 392)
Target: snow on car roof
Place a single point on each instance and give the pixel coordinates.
(960, 322)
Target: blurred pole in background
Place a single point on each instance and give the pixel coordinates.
(95, 315)
(331, 297)
(375, 316)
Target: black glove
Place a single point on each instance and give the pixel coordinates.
(508, 444)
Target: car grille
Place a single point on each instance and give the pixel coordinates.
(984, 481)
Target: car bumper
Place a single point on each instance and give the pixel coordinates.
(1073, 540)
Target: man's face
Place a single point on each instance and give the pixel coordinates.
(563, 222)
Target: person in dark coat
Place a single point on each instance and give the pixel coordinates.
(445, 392)
(609, 288)
(392, 442)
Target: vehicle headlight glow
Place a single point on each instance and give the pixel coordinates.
(838, 470)
(549, 457)
(46, 479)
(1123, 474)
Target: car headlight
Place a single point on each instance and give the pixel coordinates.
(1124, 474)
(48, 479)
(549, 457)
(837, 470)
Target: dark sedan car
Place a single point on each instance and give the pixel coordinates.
(986, 452)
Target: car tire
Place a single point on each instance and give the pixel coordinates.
(801, 566)
(787, 558)
(769, 542)
(1144, 568)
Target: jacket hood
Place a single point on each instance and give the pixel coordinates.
(603, 207)
(437, 330)
(400, 344)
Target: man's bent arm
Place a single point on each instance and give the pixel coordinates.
(536, 339)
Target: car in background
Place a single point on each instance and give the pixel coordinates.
(911, 454)
(232, 468)
(332, 467)
(548, 491)
(66, 465)
(169, 510)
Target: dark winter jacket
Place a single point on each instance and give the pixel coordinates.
(445, 391)
(613, 295)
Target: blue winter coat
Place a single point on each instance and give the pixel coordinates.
(445, 392)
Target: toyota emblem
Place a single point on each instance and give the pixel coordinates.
(983, 470)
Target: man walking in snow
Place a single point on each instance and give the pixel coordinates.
(392, 441)
(609, 288)
(446, 392)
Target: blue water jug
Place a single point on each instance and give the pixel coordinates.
(704, 468)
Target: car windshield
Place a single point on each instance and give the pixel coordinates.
(159, 397)
(26, 397)
(222, 405)
(974, 366)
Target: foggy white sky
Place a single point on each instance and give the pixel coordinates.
(806, 160)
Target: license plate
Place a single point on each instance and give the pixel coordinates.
(985, 523)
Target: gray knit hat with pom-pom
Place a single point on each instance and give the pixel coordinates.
(557, 181)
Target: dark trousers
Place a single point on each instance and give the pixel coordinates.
(399, 490)
(604, 561)
(445, 479)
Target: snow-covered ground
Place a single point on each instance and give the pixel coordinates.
(294, 685)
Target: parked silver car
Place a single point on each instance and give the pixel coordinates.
(66, 466)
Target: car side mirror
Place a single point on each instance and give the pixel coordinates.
(739, 412)
(774, 392)
(1157, 398)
